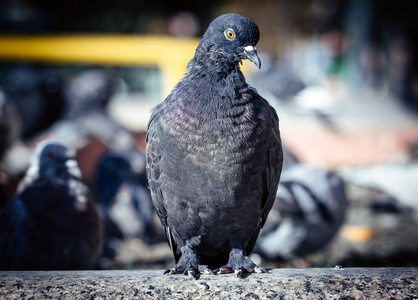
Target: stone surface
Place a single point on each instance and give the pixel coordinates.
(320, 283)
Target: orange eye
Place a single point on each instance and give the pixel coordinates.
(229, 33)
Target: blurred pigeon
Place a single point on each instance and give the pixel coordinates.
(52, 223)
(38, 96)
(289, 158)
(124, 199)
(309, 209)
(11, 168)
(279, 80)
(85, 116)
(214, 155)
(399, 181)
(9, 123)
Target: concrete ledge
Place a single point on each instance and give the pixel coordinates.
(352, 283)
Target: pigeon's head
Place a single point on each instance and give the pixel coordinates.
(231, 38)
(53, 160)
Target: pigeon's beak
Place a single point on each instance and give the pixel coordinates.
(251, 53)
(72, 168)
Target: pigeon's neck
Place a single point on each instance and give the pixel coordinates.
(215, 73)
(218, 88)
(214, 63)
(211, 89)
(204, 95)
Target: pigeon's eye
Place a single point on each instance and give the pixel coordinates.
(230, 34)
(50, 155)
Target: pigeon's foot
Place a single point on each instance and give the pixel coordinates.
(171, 272)
(190, 271)
(224, 270)
(188, 264)
(239, 264)
(208, 271)
(259, 270)
(238, 272)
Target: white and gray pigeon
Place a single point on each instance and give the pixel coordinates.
(310, 207)
(51, 223)
(124, 200)
(86, 117)
(214, 155)
(397, 180)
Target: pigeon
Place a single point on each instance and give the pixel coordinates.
(34, 101)
(124, 199)
(85, 116)
(52, 222)
(9, 124)
(309, 209)
(38, 96)
(214, 156)
(396, 180)
(279, 80)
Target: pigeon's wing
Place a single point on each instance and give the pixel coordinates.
(153, 165)
(153, 173)
(274, 167)
(12, 233)
(272, 171)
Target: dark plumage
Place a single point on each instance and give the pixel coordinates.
(9, 123)
(214, 155)
(38, 96)
(52, 223)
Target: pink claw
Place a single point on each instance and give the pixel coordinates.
(259, 270)
(225, 270)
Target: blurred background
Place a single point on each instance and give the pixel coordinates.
(342, 75)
